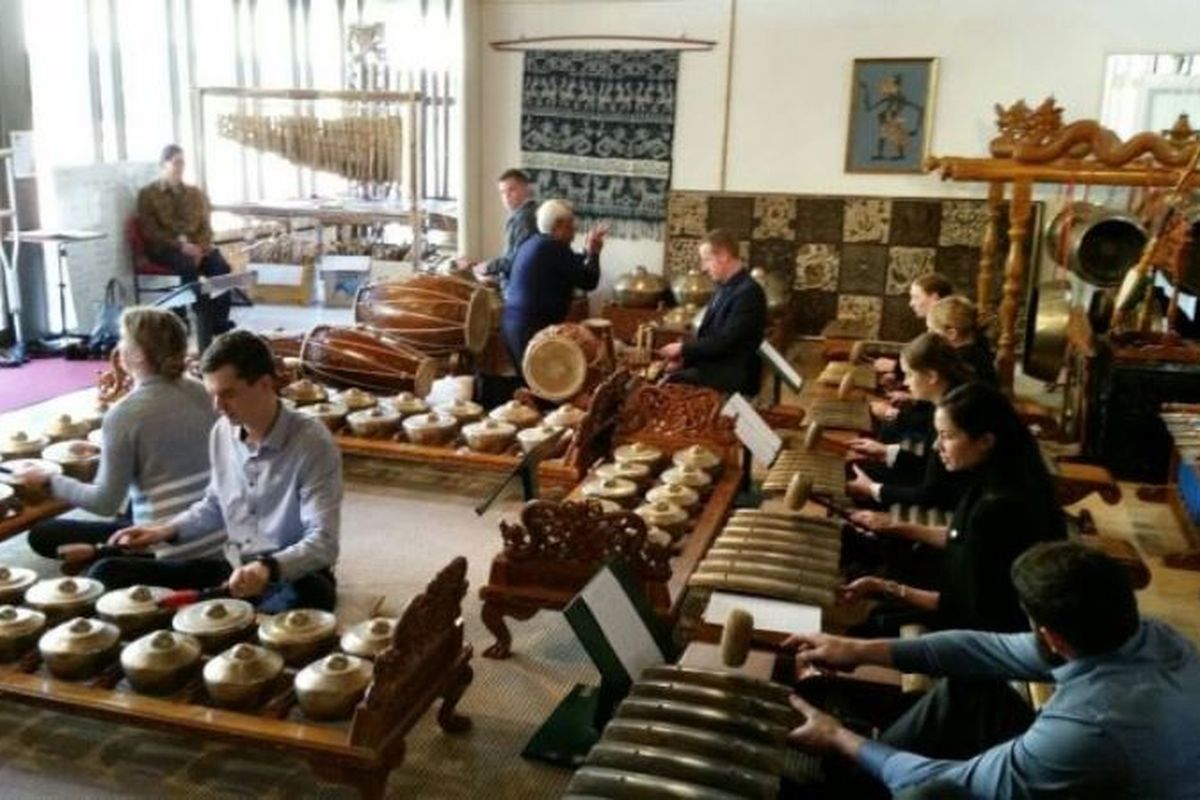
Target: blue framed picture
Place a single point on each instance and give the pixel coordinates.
(891, 109)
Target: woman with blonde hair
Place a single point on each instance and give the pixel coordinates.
(956, 319)
(154, 441)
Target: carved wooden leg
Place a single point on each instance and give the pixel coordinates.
(451, 721)
(493, 619)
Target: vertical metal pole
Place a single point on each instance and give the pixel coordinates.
(728, 96)
(114, 54)
(97, 100)
(173, 71)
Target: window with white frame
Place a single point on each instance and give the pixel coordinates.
(113, 81)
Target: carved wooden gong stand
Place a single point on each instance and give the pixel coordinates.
(556, 548)
(1035, 146)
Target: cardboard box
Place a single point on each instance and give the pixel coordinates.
(282, 284)
(383, 270)
(341, 277)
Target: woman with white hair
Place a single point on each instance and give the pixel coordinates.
(545, 274)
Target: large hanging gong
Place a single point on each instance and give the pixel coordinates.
(1100, 245)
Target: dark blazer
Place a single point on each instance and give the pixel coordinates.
(724, 354)
(545, 275)
(520, 225)
(992, 525)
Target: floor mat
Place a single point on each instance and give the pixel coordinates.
(44, 378)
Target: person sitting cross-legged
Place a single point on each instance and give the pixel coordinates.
(276, 489)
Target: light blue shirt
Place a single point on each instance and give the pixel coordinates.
(1124, 724)
(281, 498)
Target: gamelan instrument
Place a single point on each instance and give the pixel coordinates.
(689, 732)
(916, 515)
(827, 471)
(367, 359)
(847, 375)
(851, 414)
(205, 680)
(864, 350)
(785, 556)
(434, 314)
(561, 361)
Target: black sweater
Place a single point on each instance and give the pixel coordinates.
(995, 521)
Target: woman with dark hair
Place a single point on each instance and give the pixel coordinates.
(1008, 505)
(900, 475)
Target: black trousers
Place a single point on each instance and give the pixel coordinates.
(212, 313)
(314, 590)
(46, 537)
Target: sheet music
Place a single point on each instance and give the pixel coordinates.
(779, 616)
(781, 366)
(752, 430)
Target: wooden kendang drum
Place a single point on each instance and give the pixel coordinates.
(561, 361)
(367, 359)
(435, 314)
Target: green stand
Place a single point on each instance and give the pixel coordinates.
(749, 495)
(572, 728)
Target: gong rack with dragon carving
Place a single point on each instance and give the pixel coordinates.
(429, 661)
(1034, 145)
(555, 548)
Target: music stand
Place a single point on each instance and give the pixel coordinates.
(781, 372)
(60, 239)
(622, 636)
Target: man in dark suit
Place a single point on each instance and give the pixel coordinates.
(516, 192)
(724, 354)
(545, 274)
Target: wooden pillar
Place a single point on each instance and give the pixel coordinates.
(987, 250)
(1014, 274)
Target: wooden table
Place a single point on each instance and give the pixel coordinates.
(30, 515)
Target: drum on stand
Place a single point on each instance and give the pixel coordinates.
(561, 361)
(435, 314)
(367, 359)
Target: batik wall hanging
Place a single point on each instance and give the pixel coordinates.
(597, 129)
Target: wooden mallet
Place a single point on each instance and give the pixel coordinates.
(800, 491)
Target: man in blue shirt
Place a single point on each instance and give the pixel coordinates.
(545, 275)
(275, 488)
(1124, 719)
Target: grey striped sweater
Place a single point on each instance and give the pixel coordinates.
(154, 452)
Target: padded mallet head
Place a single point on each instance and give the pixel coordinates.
(812, 437)
(798, 492)
(846, 386)
(735, 637)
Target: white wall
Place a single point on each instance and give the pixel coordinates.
(791, 82)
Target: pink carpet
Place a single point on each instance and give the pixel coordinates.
(43, 378)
